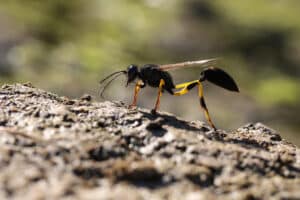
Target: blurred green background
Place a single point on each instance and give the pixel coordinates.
(68, 46)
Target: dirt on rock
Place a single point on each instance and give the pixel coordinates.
(52, 147)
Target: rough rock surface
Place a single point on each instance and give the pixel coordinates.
(59, 148)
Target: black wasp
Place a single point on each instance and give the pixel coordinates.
(158, 76)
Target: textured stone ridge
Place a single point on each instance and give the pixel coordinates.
(56, 147)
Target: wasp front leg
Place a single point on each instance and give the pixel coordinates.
(137, 88)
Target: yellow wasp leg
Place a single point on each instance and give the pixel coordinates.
(185, 84)
(203, 105)
(136, 91)
(186, 87)
(160, 89)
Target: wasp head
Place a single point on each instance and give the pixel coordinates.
(132, 73)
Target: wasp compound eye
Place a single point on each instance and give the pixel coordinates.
(132, 73)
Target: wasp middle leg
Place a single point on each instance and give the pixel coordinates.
(160, 90)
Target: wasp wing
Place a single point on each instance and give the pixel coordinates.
(195, 63)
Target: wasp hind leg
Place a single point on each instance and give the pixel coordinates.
(160, 90)
(203, 105)
(186, 87)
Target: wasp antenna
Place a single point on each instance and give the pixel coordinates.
(110, 81)
(123, 71)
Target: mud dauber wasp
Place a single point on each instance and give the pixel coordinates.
(157, 76)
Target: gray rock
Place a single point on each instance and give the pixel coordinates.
(53, 147)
